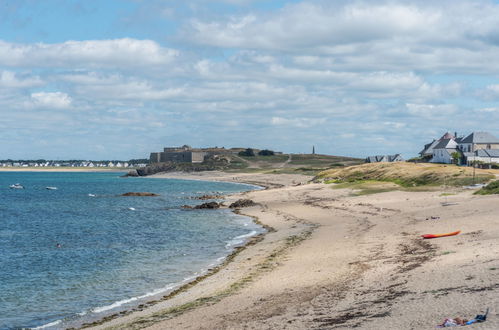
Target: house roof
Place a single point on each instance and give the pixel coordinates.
(494, 153)
(480, 137)
(428, 148)
(446, 144)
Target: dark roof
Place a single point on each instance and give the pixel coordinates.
(487, 153)
(480, 137)
(442, 144)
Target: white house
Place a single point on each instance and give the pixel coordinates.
(442, 152)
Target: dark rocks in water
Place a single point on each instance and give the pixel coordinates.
(140, 194)
(132, 173)
(209, 205)
(206, 197)
(242, 203)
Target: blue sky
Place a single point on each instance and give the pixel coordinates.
(117, 79)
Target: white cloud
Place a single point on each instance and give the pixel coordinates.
(90, 53)
(9, 79)
(53, 100)
(298, 122)
(431, 110)
(448, 36)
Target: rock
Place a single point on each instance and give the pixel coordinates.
(132, 173)
(242, 203)
(140, 194)
(209, 205)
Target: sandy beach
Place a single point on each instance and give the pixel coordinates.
(333, 260)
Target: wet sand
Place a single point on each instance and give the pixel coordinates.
(337, 261)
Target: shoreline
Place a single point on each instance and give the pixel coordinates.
(289, 280)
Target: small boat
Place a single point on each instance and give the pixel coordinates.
(51, 188)
(16, 186)
(440, 235)
(91, 195)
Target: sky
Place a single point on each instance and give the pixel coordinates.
(118, 79)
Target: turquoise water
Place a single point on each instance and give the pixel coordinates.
(114, 252)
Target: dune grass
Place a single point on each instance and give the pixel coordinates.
(490, 189)
(407, 175)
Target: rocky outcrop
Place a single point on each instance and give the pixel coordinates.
(209, 205)
(242, 203)
(139, 194)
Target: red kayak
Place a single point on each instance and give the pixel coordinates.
(440, 235)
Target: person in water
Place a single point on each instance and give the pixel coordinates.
(58, 245)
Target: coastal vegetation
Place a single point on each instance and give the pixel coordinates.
(405, 175)
(490, 189)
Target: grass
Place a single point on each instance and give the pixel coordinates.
(325, 161)
(407, 175)
(369, 187)
(490, 189)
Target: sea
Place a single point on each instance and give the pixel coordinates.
(80, 252)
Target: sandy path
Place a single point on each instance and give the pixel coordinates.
(336, 262)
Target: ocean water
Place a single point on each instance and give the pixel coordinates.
(114, 252)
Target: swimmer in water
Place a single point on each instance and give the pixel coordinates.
(58, 245)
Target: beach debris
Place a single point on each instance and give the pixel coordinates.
(139, 194)
(209, 205)
(427, 236)
(449, 204)
(242, 203)
(433, 218)
(448, 322)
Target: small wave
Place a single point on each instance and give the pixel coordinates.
(117, 304)
(48, 325)
(240, 239)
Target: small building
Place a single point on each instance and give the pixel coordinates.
(384, 158)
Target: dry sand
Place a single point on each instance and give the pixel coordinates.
(337, 261)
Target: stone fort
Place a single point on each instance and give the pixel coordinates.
(187, 154)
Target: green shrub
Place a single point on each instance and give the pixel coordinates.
(491, 188)
(266, 152)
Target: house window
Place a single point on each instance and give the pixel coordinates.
(469, 148)
(488, 146)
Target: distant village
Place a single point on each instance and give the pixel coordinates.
(74, 163)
